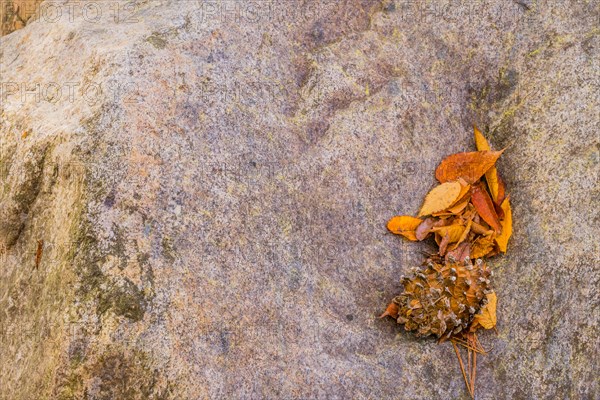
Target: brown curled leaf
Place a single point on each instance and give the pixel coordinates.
(459, 253)
(469, 213)
(404, 225)
(485, 207)
(424, 228)
(499, 211)
(470, 166)
(445, 240)
(441, 222)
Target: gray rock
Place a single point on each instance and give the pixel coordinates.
(211, 183)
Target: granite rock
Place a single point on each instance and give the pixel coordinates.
(210, 181)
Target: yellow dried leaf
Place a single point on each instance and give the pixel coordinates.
(404, 225)
(482, 246)
(442, 214)
(463, 235)
(502, 239)
(454, 232)
(491, 175)
(440, 198)
(462, 198)
(480, 142)
(457, 208)
(487, 318)
(465, 188)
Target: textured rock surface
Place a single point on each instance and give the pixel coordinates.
(211, 182)
(15, 14)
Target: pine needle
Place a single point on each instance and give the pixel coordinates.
(462, 369)
(466, 345)
(473, 339)
(473, 372)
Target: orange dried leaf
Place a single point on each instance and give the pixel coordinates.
(501, 191)
(480, 229)
(491, 176)
(442, 214)
(470, 166)
(391, 311)
(485, 208)
(440, 198)
(502, 239)
(404, 225)
(482, 246)
(454, 232)
(487, 318)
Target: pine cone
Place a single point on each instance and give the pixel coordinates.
(442, 298)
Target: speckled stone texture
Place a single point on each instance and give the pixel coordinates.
(15, 14)
(211, 182)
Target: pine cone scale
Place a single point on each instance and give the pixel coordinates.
(441, 299)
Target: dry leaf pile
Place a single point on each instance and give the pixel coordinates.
(468, 214)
